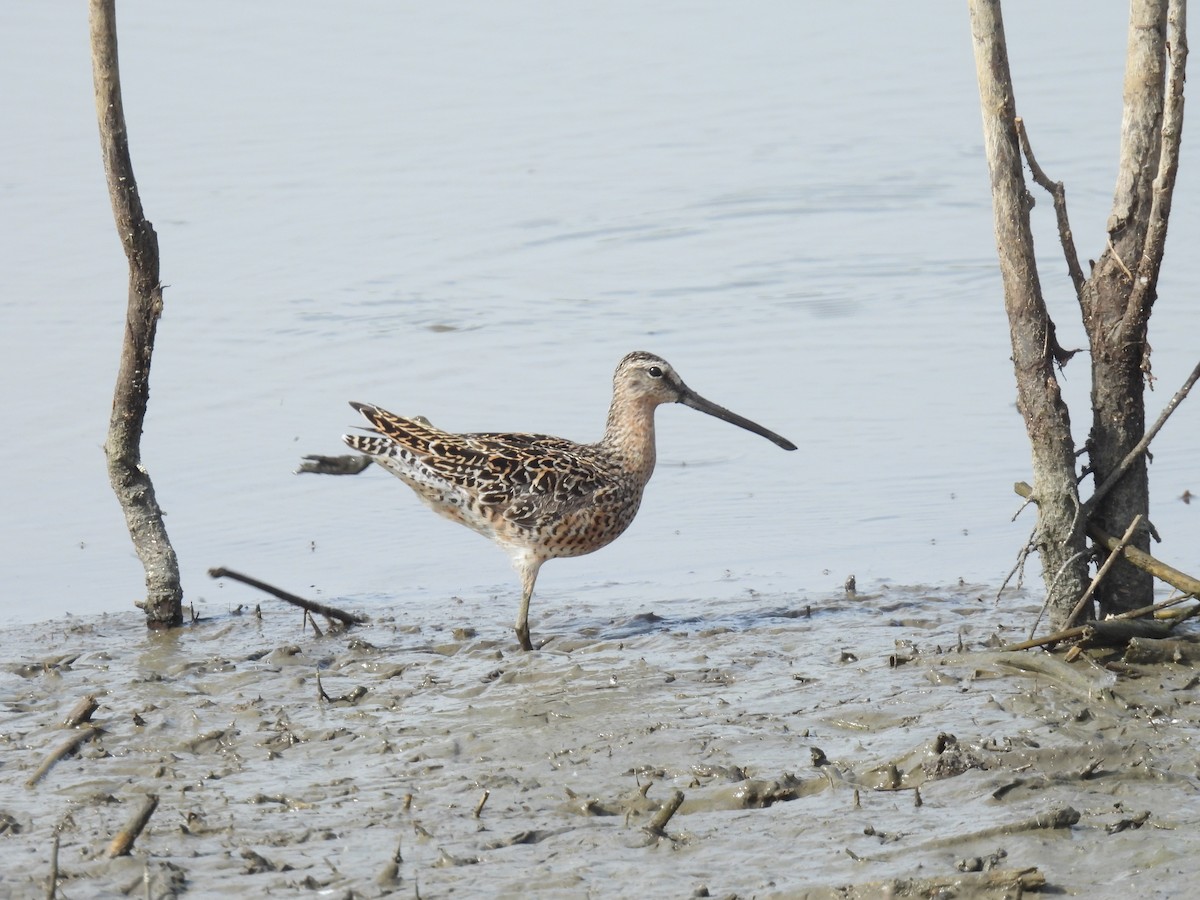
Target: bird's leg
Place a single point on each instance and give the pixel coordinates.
(529, 571)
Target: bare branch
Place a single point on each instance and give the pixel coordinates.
(1058, 191)
(1141, 297)
(312, 606)
(1113, 556)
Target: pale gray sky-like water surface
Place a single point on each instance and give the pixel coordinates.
(471, 212)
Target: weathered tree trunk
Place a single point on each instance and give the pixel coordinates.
(130, 480)
(1060, 535)
(1117, 298)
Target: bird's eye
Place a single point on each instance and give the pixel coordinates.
(654, 372)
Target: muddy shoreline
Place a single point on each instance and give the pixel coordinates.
(818, 743)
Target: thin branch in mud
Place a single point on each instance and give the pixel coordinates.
(664, 814)
(1107, 625)
(482, 800)
(66, 748)
(1119, 472)
(1051, 820)
(123, 842)
(309, 620)
(1056, 190)
(1050, 590)
(350, 464)
(1018, 568)
(1113, 556)
(356, 694)
(997, 884)
(329, 612)
(52, 885)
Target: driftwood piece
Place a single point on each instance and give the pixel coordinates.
(312, 606)
(123, 842)
(130, 480)
(1114, 632)
(482, 801)
(999, 884)
(350, 464)
(64, 748)
(658, 824)
(52, 882)
(82, 711)
(1145, 650)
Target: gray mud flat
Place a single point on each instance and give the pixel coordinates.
(818, 743)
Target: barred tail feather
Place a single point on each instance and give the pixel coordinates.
(369, 444)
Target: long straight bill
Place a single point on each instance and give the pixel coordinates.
(695, 401)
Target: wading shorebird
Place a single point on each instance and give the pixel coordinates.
(541, 497)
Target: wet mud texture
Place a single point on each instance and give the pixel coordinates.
(823, 747)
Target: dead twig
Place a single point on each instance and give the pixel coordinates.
(52, 886)
(1108, 564)
(329, 612)
(82, 711)
(1101, 628)
(482, 801)
(1050, 590)
(356, 693)
(1058, 191)
(309, 620)
(658, 824)
(65, 748)
(123, 842)
(1052, 819)
(1018, 568)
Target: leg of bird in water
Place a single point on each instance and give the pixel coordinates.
(528, 568)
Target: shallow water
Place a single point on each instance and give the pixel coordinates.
(400, 206)
(472, 217)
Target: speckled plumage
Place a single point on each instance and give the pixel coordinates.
(537, 496)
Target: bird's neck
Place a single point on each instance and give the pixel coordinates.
(630, 434)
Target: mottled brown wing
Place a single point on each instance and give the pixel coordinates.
(529, 479)
(534, 479)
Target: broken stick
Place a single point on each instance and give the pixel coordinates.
(329, 612)
(123, 842)
(66, 748)
(663, 816)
